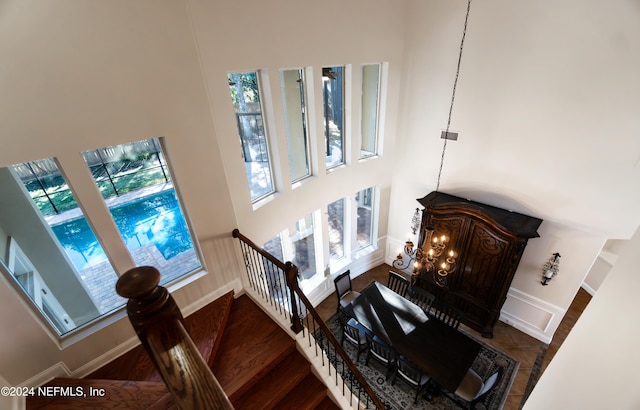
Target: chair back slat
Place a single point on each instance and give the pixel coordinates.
(398, 283)
(352, 333)
(343, 283)
(381, 350)
(449, 315)
(421, 298)
(410, 372)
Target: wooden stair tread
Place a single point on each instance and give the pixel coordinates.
(205, 327)
(165, 403)
(118, 394)
(308, 394)
(266, 392)
(252, 345)
(327, 404)
(254, 359)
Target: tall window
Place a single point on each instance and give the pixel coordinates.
(333, 103)
(365, 218)
(370, 98)
(336, 217)
(52, 253)
(137, 187)
(292, 82)
(299, 246)
(245, 95)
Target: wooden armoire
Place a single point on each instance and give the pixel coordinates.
(488, 242)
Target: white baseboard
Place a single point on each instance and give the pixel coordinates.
(57, 370)
(11, 403)
(61, 370)
(235, 285)
(589, 289)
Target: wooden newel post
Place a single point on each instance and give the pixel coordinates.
(291, 271)
(157, 320)
(148, 302)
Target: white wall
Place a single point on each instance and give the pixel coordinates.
(597, 365)
(545, 109)
(79, 75)
(271, 36)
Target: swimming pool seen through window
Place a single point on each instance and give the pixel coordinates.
(52, 253)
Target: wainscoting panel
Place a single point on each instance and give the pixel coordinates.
(395, 246)
(531, 315)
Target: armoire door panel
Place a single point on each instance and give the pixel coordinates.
(488, 242)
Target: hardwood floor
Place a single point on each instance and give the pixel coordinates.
(258, 366)
(510, 340)
(254, 360)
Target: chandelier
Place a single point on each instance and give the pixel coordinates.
(437, 260)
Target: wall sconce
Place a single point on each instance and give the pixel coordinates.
(550, 269)
(415, 222)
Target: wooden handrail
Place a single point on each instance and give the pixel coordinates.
(290, 270)
(292, 282)
(236, 234)
(160, 327)
(291, 276)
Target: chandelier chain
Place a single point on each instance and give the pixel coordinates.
(453, 94)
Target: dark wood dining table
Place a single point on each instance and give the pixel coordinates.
(444, 353)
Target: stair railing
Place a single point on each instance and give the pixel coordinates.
(160, 327)
(277, 283)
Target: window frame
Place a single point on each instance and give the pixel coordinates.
(344, 90)
(83, 192)
(358, 249)
(261, 79)
(305, 123)
(378, 113)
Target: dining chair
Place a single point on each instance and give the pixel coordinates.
(356, 334)
(410, 374)
(381, 352)
(398, 283)
(449, 315)
(473, 389)
(344, 291)
(421, 298)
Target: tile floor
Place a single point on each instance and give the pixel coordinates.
(512, 341)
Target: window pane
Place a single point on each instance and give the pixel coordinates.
(295, 120)
(333, 102)
(118, 170)
(297, 247)
(304, 252)
(143, 203)
(336, 230)
(69, 288)
(370, 96)
(364, 203)
(245, 95)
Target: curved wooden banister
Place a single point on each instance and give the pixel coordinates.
(262, 278)
(290, 270)
(292, 282)
(160, 327)
(236, 234)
